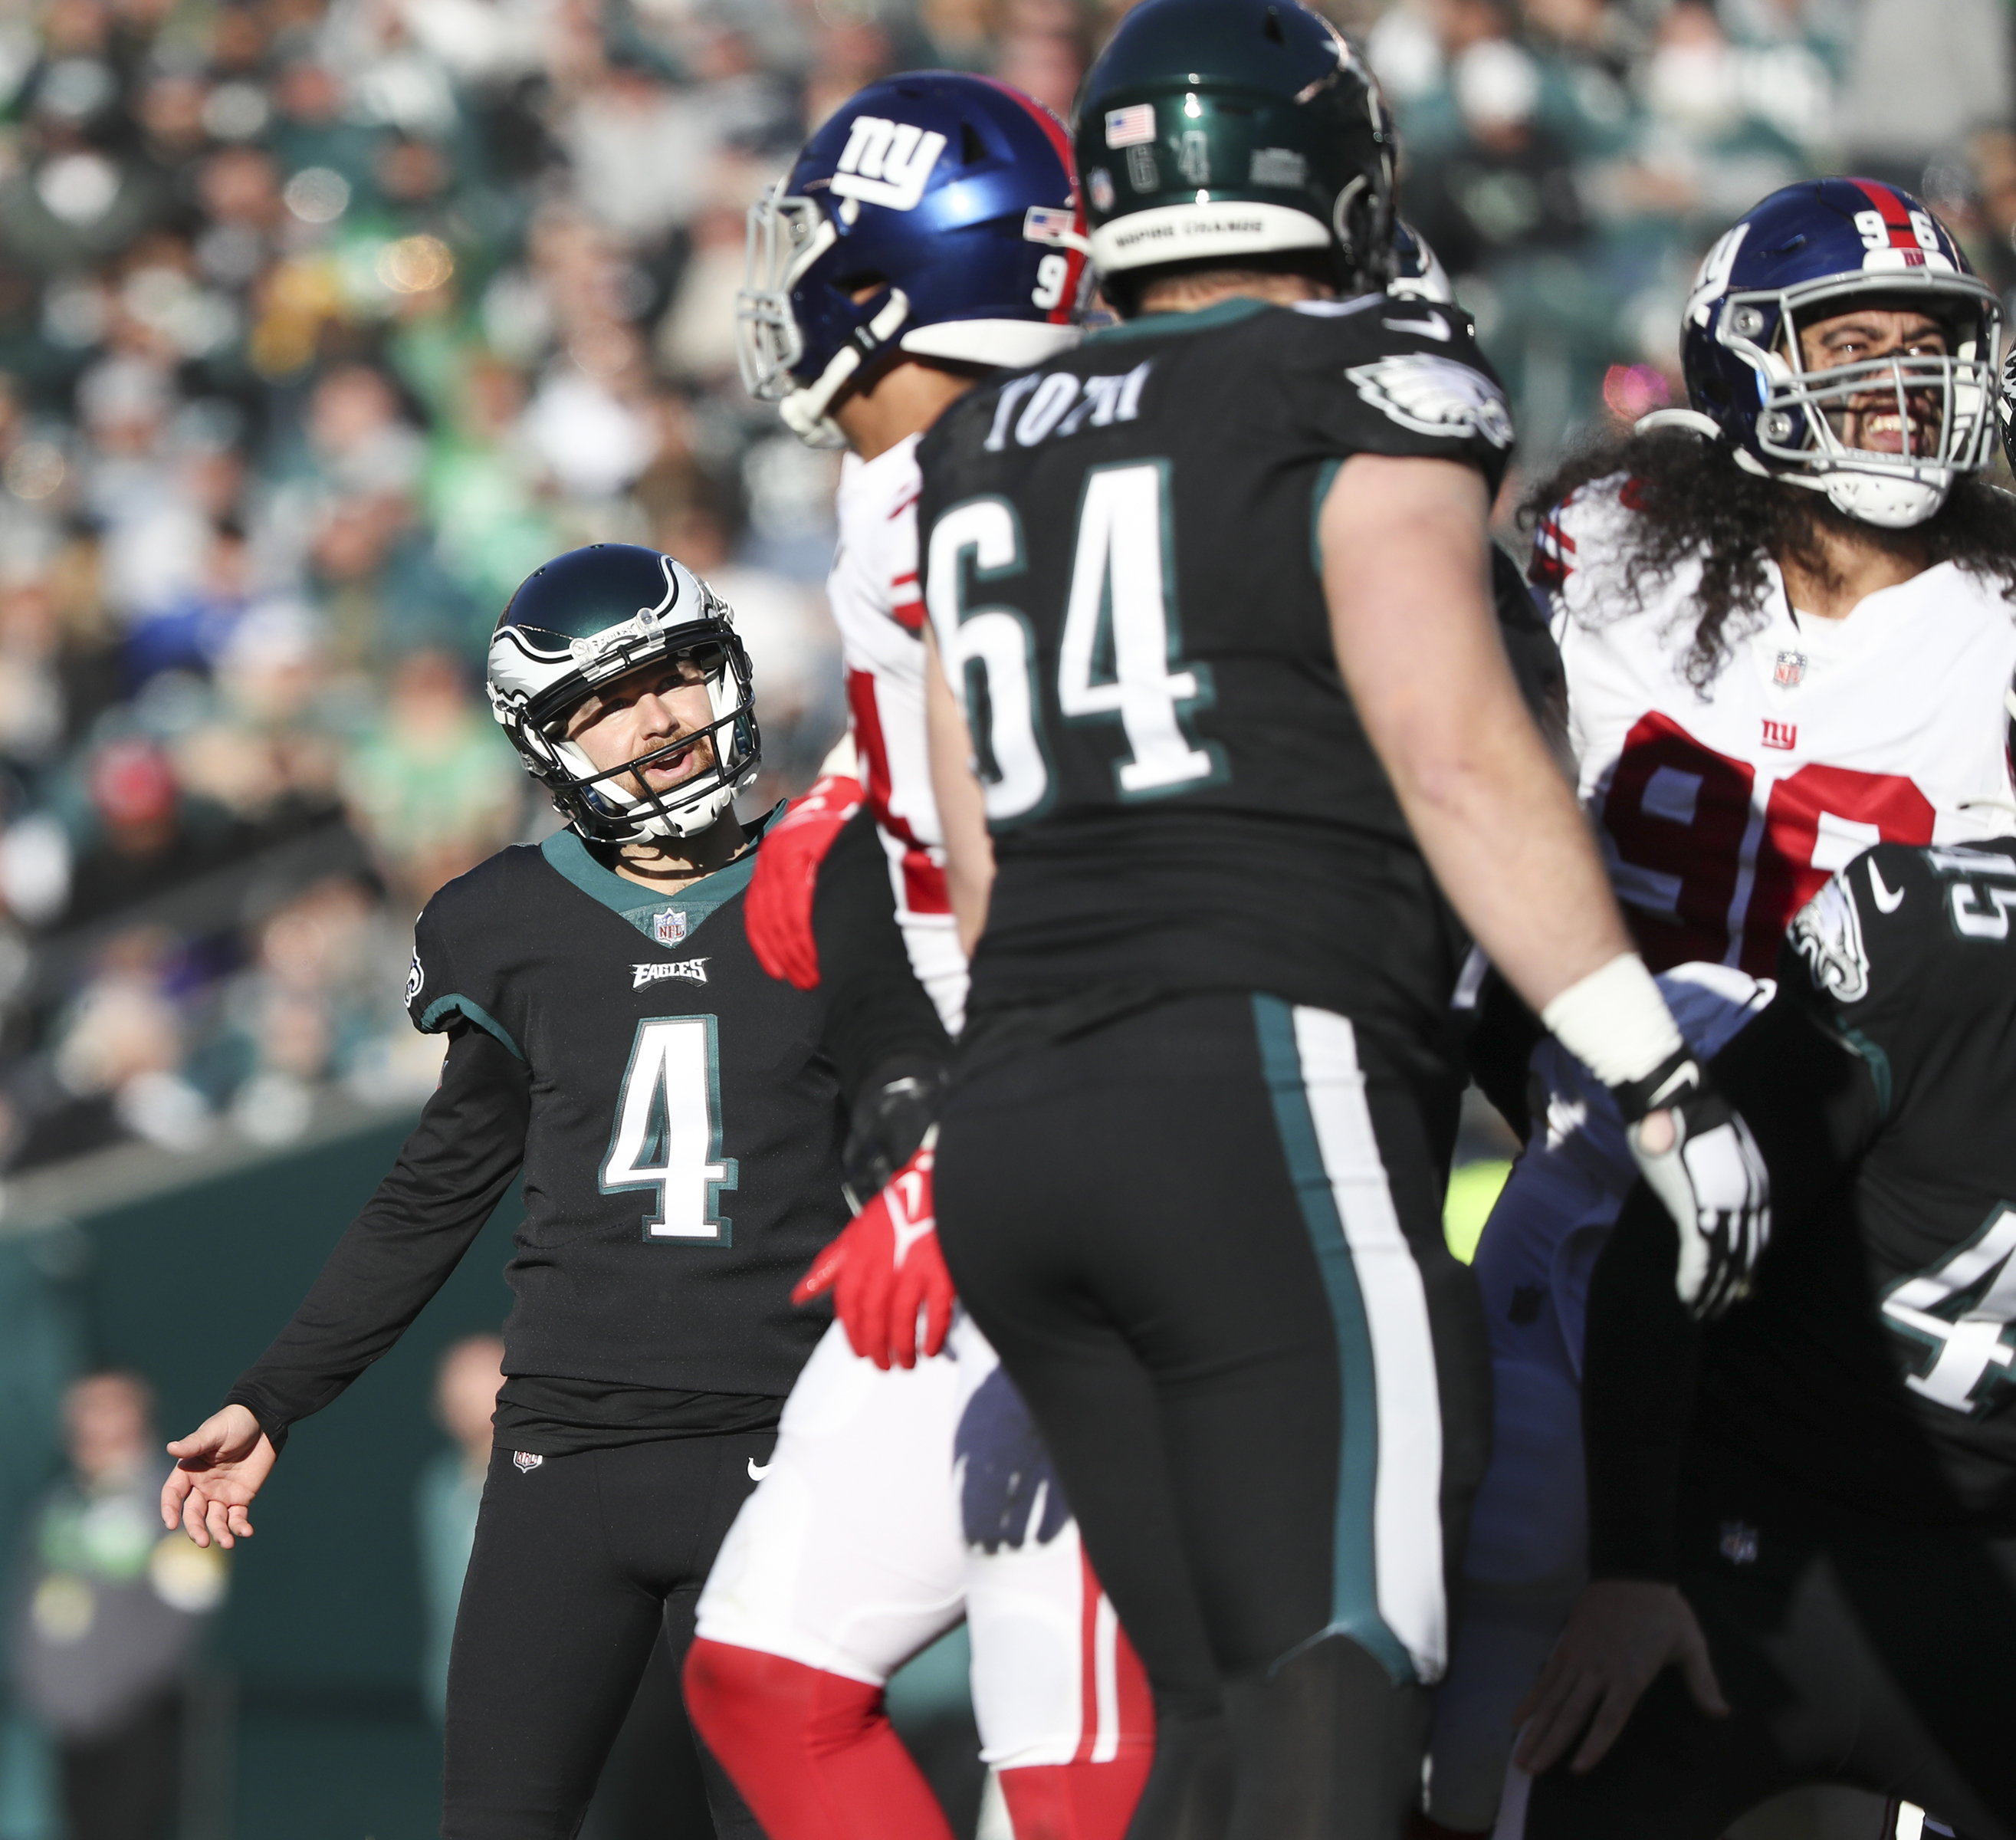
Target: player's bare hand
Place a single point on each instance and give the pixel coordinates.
(1622, 1633)
(885, 1270)
(219, 1467)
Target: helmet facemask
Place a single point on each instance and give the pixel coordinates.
(787, 236)
(618, 804)
(1941, 404)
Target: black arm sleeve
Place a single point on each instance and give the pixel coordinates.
(1641, 1352)
(451, 1172)
(1812, 1106)
(877, 1015)
(882, 1033)
(1498, 1050)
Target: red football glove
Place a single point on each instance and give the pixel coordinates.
(885, 1267)
(778, 910)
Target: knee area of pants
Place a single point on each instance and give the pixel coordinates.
(745, 1690)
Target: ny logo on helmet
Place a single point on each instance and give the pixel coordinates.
(887, 163)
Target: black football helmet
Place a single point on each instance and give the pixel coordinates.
(589, 616)
(1232, 129)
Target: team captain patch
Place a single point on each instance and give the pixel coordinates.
(1434, 395)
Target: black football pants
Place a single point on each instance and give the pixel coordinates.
(122, 1785)
(578, 1562)
(1851, 1650)
(1207, 1242)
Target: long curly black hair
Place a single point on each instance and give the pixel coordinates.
(1696, 501)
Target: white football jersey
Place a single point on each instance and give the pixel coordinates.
(880, 613)
(1721, 812)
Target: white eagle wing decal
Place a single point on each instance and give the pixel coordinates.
(1434, 395)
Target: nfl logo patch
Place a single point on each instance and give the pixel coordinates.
(1738, 1543)
(668, 926)
(526, 1461)
(1791, 670)
(1101, 183)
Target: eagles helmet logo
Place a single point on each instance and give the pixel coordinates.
(1434, 395)
(1826, 933)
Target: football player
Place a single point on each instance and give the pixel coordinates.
(1808, 1508)
(1784, 616)
(611, 1036)
(929, 233)
(1220, 676)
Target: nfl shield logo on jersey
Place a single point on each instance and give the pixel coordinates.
(1790, 671)
(668, 926)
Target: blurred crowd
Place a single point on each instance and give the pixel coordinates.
(322, 321)
(1572, 160)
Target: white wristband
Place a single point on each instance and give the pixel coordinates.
(1614, 1022)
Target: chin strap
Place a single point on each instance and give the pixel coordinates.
(804, 411)
(1692, 421)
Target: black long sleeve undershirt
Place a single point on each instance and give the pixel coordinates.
(1813, 1107)
(877, 1015)
(451, 1172)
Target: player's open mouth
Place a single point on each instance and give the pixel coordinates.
(670, 769)
(1883, 432)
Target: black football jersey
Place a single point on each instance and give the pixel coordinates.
(680, 1153)
(1877, 1360)
(1119, 557)
(677, 1127)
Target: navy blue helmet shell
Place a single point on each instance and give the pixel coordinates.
(947, 204)
(1810, 252)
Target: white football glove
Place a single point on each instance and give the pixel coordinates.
(1712, 1178)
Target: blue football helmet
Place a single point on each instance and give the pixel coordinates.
(947, 204)
(1811, 251)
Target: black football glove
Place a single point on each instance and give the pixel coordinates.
(1711, 1179)
(897, 1103)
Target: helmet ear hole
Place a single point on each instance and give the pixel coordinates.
(1272, 28)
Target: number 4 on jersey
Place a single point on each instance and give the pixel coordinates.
(1118, 621)
(1959, 1312)
(667, 1130)
(1117, 654)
